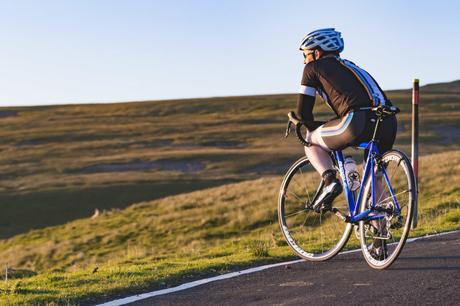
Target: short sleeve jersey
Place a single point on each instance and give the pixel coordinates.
(342, 85)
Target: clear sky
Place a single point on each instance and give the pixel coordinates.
(68, 51)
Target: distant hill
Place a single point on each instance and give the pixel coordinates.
(448, 87)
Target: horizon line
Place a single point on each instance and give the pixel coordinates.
(184, 98)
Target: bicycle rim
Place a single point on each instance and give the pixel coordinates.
(313, 236)
(394, 227)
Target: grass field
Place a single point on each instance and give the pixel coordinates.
(161, 243)
(60, 163)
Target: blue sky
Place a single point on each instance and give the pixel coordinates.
(108, 51)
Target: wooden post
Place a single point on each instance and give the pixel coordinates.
(414, 155)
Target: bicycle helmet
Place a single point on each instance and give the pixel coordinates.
(328, 40)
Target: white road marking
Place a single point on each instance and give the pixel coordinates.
(189, 285)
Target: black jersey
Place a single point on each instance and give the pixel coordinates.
(342, 85)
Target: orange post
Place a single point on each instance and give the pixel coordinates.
(415, 133)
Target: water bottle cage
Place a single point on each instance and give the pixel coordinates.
(353, 180)
(352, 175)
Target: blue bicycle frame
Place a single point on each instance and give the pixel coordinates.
(353, 205)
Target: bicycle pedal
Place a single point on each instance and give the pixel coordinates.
(341, 215)
(321, 208)
(309, 206)
(325, 208)
(382, 238)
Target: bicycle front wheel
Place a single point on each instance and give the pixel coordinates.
(382, 239)
(312, 235)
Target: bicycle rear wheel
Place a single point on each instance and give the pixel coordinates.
(383, 239)
(312, 235)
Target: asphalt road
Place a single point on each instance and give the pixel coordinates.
(426, 273)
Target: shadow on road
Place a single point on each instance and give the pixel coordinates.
(433, 263)
(426, 268)
(428, 257)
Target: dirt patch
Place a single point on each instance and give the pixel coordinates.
(261, 121)
(59, 138)
(161, 143)
(8, 113)
(31, 142)
(449, 134)
(225, 144)
(166, 143)
(401, 127)
(139, 165)
(279, 167)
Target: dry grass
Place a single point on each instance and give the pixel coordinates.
(170, 240)
(46, 151)
(195, 222)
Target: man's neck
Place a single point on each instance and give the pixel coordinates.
(328, 55)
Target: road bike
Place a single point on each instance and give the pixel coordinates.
(380, 211)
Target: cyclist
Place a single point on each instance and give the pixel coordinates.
(346, 88)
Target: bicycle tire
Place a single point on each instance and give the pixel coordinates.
(319, 237)
(402, 181)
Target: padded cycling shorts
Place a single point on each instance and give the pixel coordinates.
(353, 129)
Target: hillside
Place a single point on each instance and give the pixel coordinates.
(162, 242)
(60, 163)
(448, 87)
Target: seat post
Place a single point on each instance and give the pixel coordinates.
(379, 118)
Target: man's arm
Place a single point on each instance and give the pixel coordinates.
(305, 104)
(307, 94)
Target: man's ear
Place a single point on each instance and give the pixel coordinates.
(318, 53)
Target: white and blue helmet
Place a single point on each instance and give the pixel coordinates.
(326, 39)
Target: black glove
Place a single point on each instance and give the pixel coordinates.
(313, 125)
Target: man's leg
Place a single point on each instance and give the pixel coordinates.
(319, 158)
(318, 155)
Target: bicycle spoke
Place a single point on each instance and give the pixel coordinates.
(296, 213)
(321, 233)
(296, 196)
(390, 179)
(306, 186)
(300, 186)
(305, 221)
(390, 197)
(394, 173)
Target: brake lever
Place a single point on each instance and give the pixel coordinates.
(288, 129)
